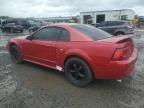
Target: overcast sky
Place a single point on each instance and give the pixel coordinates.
(52, 8)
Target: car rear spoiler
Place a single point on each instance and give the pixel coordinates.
(117, 39)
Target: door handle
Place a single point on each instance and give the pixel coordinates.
(49, 45)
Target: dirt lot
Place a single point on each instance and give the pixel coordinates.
(32, 86)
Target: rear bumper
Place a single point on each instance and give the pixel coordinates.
(116, 70)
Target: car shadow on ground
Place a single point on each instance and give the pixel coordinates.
(48, 84)
(57, 74)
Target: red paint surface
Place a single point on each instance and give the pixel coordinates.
(97, 54)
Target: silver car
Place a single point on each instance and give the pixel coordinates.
(117, 27)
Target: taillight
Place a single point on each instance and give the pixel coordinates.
(121, 53)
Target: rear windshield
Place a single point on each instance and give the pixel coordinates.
(92, 32)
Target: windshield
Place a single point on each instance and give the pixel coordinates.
(92, 32)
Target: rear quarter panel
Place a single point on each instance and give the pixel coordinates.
(120, 29)
(96, 54)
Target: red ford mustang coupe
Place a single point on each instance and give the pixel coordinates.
(82, 52)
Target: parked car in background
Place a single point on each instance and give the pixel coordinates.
(95, 24)
(82, 52)
(12, 27)
(33, 28)
(0, 23)
(116, 27)
(25, 23)
(6, 22)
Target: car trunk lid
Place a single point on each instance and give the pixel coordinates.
(123, 44)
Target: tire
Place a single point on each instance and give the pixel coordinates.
(77, 72)
(15, 54)
(119, 33)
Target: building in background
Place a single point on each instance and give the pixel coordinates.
(141, 18)
(109, 15)
(58, 19)
(68, 19)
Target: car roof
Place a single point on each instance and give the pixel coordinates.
(62, 24)
(117, 21)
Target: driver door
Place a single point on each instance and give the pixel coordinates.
(42, 48)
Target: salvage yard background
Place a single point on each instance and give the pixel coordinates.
(31, 86)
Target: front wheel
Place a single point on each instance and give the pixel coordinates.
(78, 72)
(15, 54)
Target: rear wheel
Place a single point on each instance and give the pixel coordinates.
(119, 33)
(78, 72)
(15, 54)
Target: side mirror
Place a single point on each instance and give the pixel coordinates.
(29, 37)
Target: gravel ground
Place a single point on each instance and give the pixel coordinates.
(32, 86)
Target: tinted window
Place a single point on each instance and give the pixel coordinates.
(47, 34)
(10, 25)
(120, 23)
(124, 17)
(92, 32)
(6, 22)
(104, 24)
(112, 23)
(64, 35)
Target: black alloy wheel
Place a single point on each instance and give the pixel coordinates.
(15, 54)
(78, 72)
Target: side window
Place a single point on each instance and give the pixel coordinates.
(64, 35)
(113, 23)
(103, 24)
(121, 23)
(50, 34)
(124, 17)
